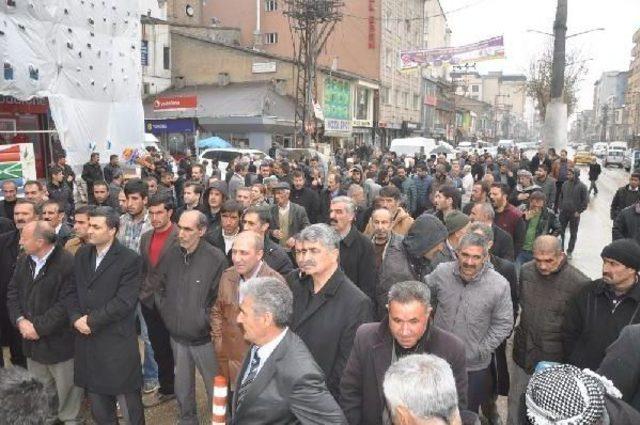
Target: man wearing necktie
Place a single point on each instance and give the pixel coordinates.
(279, 381)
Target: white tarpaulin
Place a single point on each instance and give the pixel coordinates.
(84, 56)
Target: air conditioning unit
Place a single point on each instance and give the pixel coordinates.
(215, 21)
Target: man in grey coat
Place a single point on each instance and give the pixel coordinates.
(573, 201)
(473, 301)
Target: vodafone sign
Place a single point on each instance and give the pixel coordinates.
(175, 103)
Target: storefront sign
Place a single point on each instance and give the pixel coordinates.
(263, 67)
(33, 106)
(337, 126)
(169, 126)
(362, 123)
(372, 24)
(175, 103)
(144, 52)
(431, 100)
(337, 99)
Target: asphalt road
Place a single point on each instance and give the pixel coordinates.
(593, 234)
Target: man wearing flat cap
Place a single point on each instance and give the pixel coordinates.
(289, 218)
(596, 315)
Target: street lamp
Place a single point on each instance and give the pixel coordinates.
(569, 36)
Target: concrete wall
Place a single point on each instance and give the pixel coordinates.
(201, 62)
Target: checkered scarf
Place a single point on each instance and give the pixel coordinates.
(566, 395)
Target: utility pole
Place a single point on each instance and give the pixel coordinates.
(555, 123)
(311, 23)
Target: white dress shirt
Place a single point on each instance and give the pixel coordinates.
(265, 351)
(40, 262)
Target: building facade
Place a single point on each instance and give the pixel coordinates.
(632, 96)
(608, 97)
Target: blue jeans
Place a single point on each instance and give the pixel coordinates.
(149, 365)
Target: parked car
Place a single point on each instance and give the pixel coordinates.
(297, 154)
(225, 156)
(411, 146)
(600, 149)
(632, 160)
(615, 156)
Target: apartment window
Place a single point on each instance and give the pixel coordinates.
(405, 100)
(271, 38)
(395, 97)
(384, 95)
(388, 57)
(270, 5)
(416, 102)
(388, 21)
(475, 88)
(145, 88)
(166, 57)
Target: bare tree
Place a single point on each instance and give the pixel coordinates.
(539, 80)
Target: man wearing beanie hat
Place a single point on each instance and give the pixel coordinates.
(421, 250)
(456, 223)
(596, 315)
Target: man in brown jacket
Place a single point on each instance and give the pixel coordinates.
(80, 228)
(226, 333)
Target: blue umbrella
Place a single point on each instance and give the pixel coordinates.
(213, 142)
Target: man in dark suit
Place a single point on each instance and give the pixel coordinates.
(53, 213)
(24, 212)
(289, 218)
(154, 246)
(327, 307)
(36, 302)
(258, 219)
(357, 255)
(406, 330)
(102, 308)
(502, 246)
(279, 383)
(10, 193)
(305, 196)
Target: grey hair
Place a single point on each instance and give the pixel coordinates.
(347, 201)
(474, 239)
(321, 233)
(353, 189)
(485, 229)
(424, 384)
(487, 210)
(410, 290)
(269, 295)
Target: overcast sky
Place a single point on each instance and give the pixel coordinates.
(609, 49)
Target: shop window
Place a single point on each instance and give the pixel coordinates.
(166, 57)
(362, 103)
(270, 5)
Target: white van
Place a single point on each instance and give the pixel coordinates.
(615, 154)
(412, 146)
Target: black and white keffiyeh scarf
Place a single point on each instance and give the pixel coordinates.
(566, 395)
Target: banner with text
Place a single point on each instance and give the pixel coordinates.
(492, 48)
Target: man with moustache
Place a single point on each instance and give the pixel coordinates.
(226, 332)
(80, 228)
(327, 307)
(24, 212)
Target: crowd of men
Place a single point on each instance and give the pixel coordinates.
(380, 290)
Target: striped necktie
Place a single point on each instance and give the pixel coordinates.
(250, 377)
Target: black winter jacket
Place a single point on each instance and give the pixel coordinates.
(188, 289)
(623, 198)
(627, 224)
(592, 323)
(42, 301)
